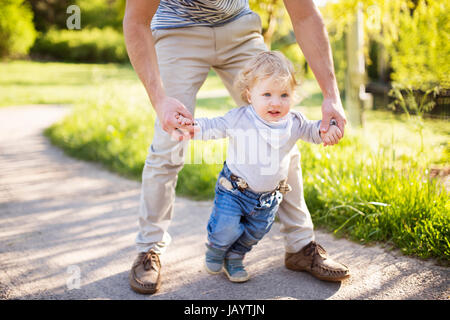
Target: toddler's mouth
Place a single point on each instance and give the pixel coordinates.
(274, 112)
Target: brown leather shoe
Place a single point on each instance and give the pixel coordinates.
(145, 273)
(314, 259)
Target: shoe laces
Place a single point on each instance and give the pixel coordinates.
(234, 265)
(149, 260)
(314, 249)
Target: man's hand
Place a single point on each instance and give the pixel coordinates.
(332, 109)
(167, 111)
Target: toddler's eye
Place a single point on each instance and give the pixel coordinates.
(285, 95)
(267, 94)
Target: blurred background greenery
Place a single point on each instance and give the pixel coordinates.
(407, 42)
(387, 181)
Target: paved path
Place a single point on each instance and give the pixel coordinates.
(59, 215)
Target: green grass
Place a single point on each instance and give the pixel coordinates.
(26, 82)
(365, 190)
(375, 186)
(109, 133)
(372, 196)
(29, 82)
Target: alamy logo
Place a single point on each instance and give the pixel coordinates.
(74, 280)
(74, 20)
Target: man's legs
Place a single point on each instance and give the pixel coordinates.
(183, 55)
(159, 177)
(293, 213)
(182, 58)
(237, 42)
(296, 223)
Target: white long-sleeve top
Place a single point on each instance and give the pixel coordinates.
(258, 150)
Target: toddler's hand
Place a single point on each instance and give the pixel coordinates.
(184, 121)
(332, 136)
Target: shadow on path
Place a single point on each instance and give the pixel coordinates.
(58, 213)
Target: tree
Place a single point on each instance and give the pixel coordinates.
(415, 36)
(17, 33)
(49, 13)
(270, 11)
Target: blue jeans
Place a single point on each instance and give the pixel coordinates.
(240, 218)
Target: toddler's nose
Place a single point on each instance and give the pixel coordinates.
(275, 102)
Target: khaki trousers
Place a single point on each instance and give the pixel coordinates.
(185, 56)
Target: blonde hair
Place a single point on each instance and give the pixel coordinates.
(269, 64)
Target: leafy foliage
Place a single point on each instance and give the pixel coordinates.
(17, 32)
(421, 57)
(49, 13)
(101, 13)
(415, 35)
(277, 31)
(86, 45)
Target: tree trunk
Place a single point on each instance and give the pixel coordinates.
(355, 95)
(271, 24)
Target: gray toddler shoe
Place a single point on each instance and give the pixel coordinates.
(214, 260)
(235, 271)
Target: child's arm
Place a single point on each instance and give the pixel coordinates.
(309, 130)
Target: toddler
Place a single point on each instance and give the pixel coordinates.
(252, 182)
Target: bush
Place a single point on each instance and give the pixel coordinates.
(49, 13)
(420, 58)
(101, 13)
(94, 13)
(113, 132)
(17, 33)
(411, 37)
(88, 45)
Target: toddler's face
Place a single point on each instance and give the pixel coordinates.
(271, 99)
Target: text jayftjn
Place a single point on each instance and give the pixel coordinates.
(230, 310)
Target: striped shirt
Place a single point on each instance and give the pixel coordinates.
(185, 13)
